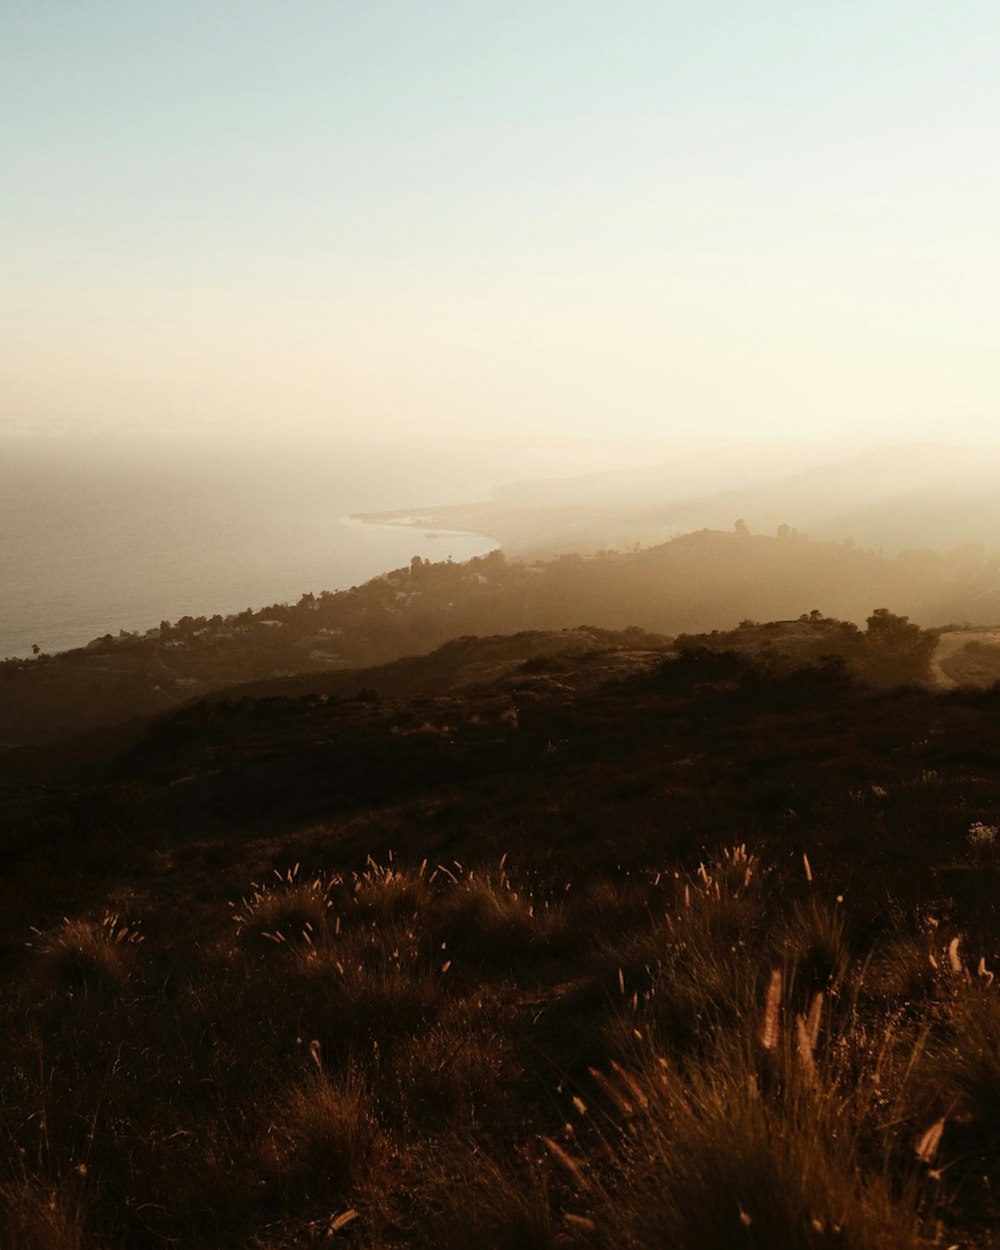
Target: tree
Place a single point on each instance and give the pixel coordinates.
(897, 652)
(888, 628)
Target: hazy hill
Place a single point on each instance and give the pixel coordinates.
(698, 582)
(891, 498)
(692, 474)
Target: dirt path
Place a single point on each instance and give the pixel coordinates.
(948, 644)
(952, 642)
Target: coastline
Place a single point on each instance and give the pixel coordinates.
(429, 521)
(65, 611)
(437, 524)
(528, 531)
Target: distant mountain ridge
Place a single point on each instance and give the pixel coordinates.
(891, 499)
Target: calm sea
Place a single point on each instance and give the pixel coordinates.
(102, 534)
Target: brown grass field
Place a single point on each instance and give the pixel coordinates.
(732, 983)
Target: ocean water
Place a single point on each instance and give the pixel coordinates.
(118, 529)
(101, 534)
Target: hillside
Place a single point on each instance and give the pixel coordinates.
(697, 582)
(701, 955)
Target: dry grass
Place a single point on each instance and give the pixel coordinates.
(811, 941)
(706, 1059)
(455, 1071)
(477, 1201)
(323, 1139)
(900, 970)
(86, 954)
(693, 970)
(387, 894)
(287, 910)
(34, 1216)
(736, 1150)
(781, 1130)
(485, 921)
(964, 1063)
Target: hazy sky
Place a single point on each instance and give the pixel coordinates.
(563, 216)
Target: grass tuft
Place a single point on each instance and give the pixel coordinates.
(88, 955)
(323, 1139)
(287, 911)
(386, 894)
(34, 1216)
(812, 942)
(485, 921)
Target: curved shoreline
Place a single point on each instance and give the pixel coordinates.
(324, 567)
(435, 526)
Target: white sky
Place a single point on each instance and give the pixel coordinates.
(638, 219)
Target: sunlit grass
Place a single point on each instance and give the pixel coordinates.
(705, 1056)
(286, 910)
(85, 954)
